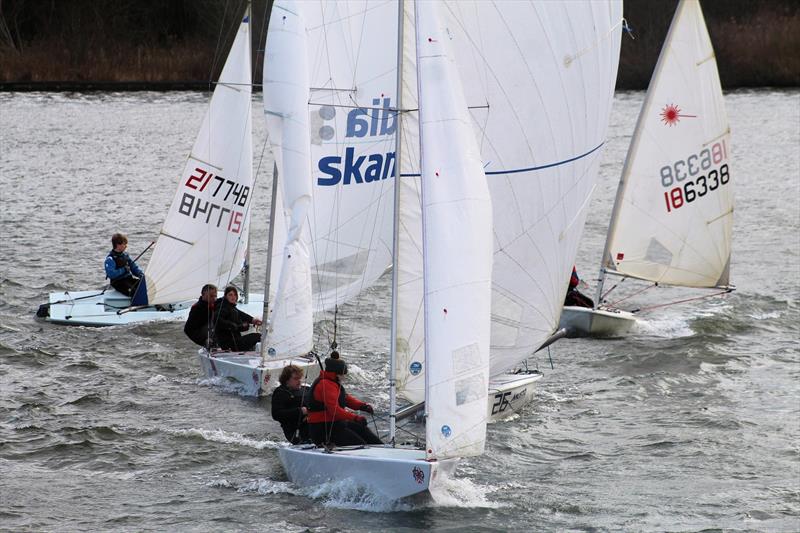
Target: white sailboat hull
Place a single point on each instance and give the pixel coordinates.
(601, 322)
(508, 393)
(246, 370)
(97, 308)
(111, 308)
(394, 473)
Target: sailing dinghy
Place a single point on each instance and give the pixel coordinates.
(204, 236)
(457, 214)
(332, 235)
(541, 139)
(287, 305)
(444, 229)
(673, 214)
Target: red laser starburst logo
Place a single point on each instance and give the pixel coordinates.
(671, 115)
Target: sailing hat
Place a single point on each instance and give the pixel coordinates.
(335, 365)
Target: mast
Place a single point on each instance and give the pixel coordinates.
(246, 267)
(272, 209)
(396, 230)
(612, 225)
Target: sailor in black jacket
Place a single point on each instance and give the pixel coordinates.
(231, 322)
(200, 324)
(289, 404)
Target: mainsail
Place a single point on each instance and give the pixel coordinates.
(204, 237)
(353, 122)
(673, 214)
(539, 81)
(286, 88)
(457, 215)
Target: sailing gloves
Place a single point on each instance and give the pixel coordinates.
(367, 408)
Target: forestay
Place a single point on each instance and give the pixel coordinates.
(286, 90)
(539, 82)
(353, 122)
(673, 215)
(204, 237)
(457, 215)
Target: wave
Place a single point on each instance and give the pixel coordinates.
(224, 437)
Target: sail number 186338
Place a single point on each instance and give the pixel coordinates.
(695, 176)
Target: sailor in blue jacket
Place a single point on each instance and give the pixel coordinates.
(123, 272)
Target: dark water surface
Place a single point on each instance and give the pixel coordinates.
(693, 423)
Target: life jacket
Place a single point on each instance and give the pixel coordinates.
(574, 280)
(316, 405)
(117, 256)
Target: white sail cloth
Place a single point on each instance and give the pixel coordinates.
(539, 81)
(204, 237)
(286, 88)
(673, 215)
(457, 216)
(352, 70)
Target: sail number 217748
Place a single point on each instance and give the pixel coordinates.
(695, 176)
(221, 191)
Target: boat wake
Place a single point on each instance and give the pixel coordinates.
(664, 326)
(225, 437)
(225, 385)
(260, 486)
(348, 494)
(461, 492)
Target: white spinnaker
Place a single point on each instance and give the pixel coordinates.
(286, 90)
(679, 150)
(204, 237)
(457, 214)
(353, 80)
(539, 81)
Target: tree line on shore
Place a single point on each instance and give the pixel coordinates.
(184, 42)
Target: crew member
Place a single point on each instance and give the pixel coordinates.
(329, 421)
(200, 324)
(231, 322)
(123, 271)
(290, 404)
(574, 297)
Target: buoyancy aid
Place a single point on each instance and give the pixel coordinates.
(316, 405)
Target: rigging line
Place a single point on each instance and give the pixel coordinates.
(648, 287)
(603, 296)
(528, 169)
(569, 59)
(726, 291)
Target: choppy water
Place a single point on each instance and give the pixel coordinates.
(691, 424)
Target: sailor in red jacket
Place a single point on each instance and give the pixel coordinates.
(574, 297)
(329, 421)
